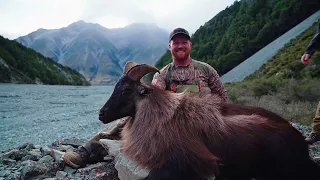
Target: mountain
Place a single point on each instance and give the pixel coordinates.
(19, 64)
(97, 52)
(244, 28)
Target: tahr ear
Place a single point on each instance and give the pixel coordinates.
(143, 90)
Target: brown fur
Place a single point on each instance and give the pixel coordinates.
(204, 132)
(192, 136)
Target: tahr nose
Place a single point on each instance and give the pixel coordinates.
(101, 113)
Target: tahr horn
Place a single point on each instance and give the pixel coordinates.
(138, 71)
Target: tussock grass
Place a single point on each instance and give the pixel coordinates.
(295, 100)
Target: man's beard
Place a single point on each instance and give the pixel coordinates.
(181, 56)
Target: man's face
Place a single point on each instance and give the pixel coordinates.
(180, 47)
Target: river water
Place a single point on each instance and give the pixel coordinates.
(41, 114)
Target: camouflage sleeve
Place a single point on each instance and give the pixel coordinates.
(216, 85)
(159, 81)
(314, 43)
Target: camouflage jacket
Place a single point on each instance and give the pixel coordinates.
(206, 77)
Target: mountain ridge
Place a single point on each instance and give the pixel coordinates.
(99, 53)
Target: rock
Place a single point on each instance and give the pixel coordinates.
(4, 173)
(69, 170)
(14, 176)
(30, 157)
(61, 175)
(17, 175)
(315, 149)
(74, 142)
(7, 161)
(100, 170)
(45, 150)
(53, 167)
(34, 154)
(38, 170)
(19, 167)
(46, 159)
(15, 154)
(32, 169)
(27, 146)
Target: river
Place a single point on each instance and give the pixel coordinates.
(41, 114)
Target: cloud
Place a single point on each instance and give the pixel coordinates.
(110, 13)
(20, 17)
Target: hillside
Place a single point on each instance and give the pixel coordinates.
(97, 52)
(19, 64)
(244, 28)
(284, 85)
(286, 63)
(254, 62)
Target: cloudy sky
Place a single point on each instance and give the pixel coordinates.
(20, 17)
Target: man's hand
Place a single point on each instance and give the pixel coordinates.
(305, 58)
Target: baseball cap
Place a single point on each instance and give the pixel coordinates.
(179, 31)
